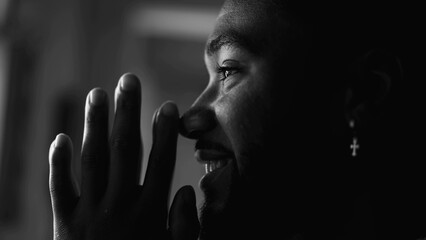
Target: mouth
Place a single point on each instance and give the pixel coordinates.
(215, 157)
(213, 160)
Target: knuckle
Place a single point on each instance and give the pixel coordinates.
(55, 163)
(59, 163)
(121, 143)
(56, 189)
(92, 116)
(128, 103)
(90, 160)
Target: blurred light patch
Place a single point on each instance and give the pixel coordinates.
(3, 10)
(3, 87)
(171, 21)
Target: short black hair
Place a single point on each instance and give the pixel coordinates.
(351, 26)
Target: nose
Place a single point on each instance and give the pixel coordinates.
(197, 121)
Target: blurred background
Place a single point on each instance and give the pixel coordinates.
(52, 53)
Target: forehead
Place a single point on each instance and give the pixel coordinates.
(247, 5)
(246, 21)
(240, 18)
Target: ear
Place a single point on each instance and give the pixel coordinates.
(371, 80)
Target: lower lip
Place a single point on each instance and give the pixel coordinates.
(212, 178)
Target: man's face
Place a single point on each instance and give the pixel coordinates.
(231, 118)
(238, 93)
(271, 125)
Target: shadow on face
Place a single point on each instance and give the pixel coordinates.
(295, 77)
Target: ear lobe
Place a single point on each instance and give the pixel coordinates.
(370, 86)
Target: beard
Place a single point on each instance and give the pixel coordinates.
(215, 224)
(252, 209)
(245, 213)
(222, 220)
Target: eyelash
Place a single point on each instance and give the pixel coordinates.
(223, 71)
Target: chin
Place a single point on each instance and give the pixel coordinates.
(245, 213)
(225, 217)
(215, 213)
(217, 223)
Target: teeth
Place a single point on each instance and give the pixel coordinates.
(213, 165)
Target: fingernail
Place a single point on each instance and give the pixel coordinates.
(97, 97)
(60, 140)
(169, 109)
(129, 82)
(155, 117)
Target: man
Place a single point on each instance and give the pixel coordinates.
(289, 121)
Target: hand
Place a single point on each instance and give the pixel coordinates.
(111, 203)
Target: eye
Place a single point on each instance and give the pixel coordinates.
(226, 72)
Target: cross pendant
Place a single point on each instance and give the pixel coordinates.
(354, 146)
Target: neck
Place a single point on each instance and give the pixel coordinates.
(361, 224)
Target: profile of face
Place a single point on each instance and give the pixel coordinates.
(229, 119)
(253, 124)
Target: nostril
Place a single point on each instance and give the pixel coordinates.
(193, 134)
(196, 121)
(190, 127)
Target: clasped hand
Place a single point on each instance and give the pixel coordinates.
(109, 203)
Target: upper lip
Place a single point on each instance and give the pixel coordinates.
(211, 151)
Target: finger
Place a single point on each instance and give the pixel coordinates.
(162, 158)
(126, 142)
(63, 193)
(183, 219)
(95, 149)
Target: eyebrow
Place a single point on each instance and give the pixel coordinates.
(228, 39)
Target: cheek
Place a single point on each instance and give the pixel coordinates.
(243, 114)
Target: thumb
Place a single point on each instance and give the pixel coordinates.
(183, 218)
(63, 193)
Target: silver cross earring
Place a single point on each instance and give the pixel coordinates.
(355, 144)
